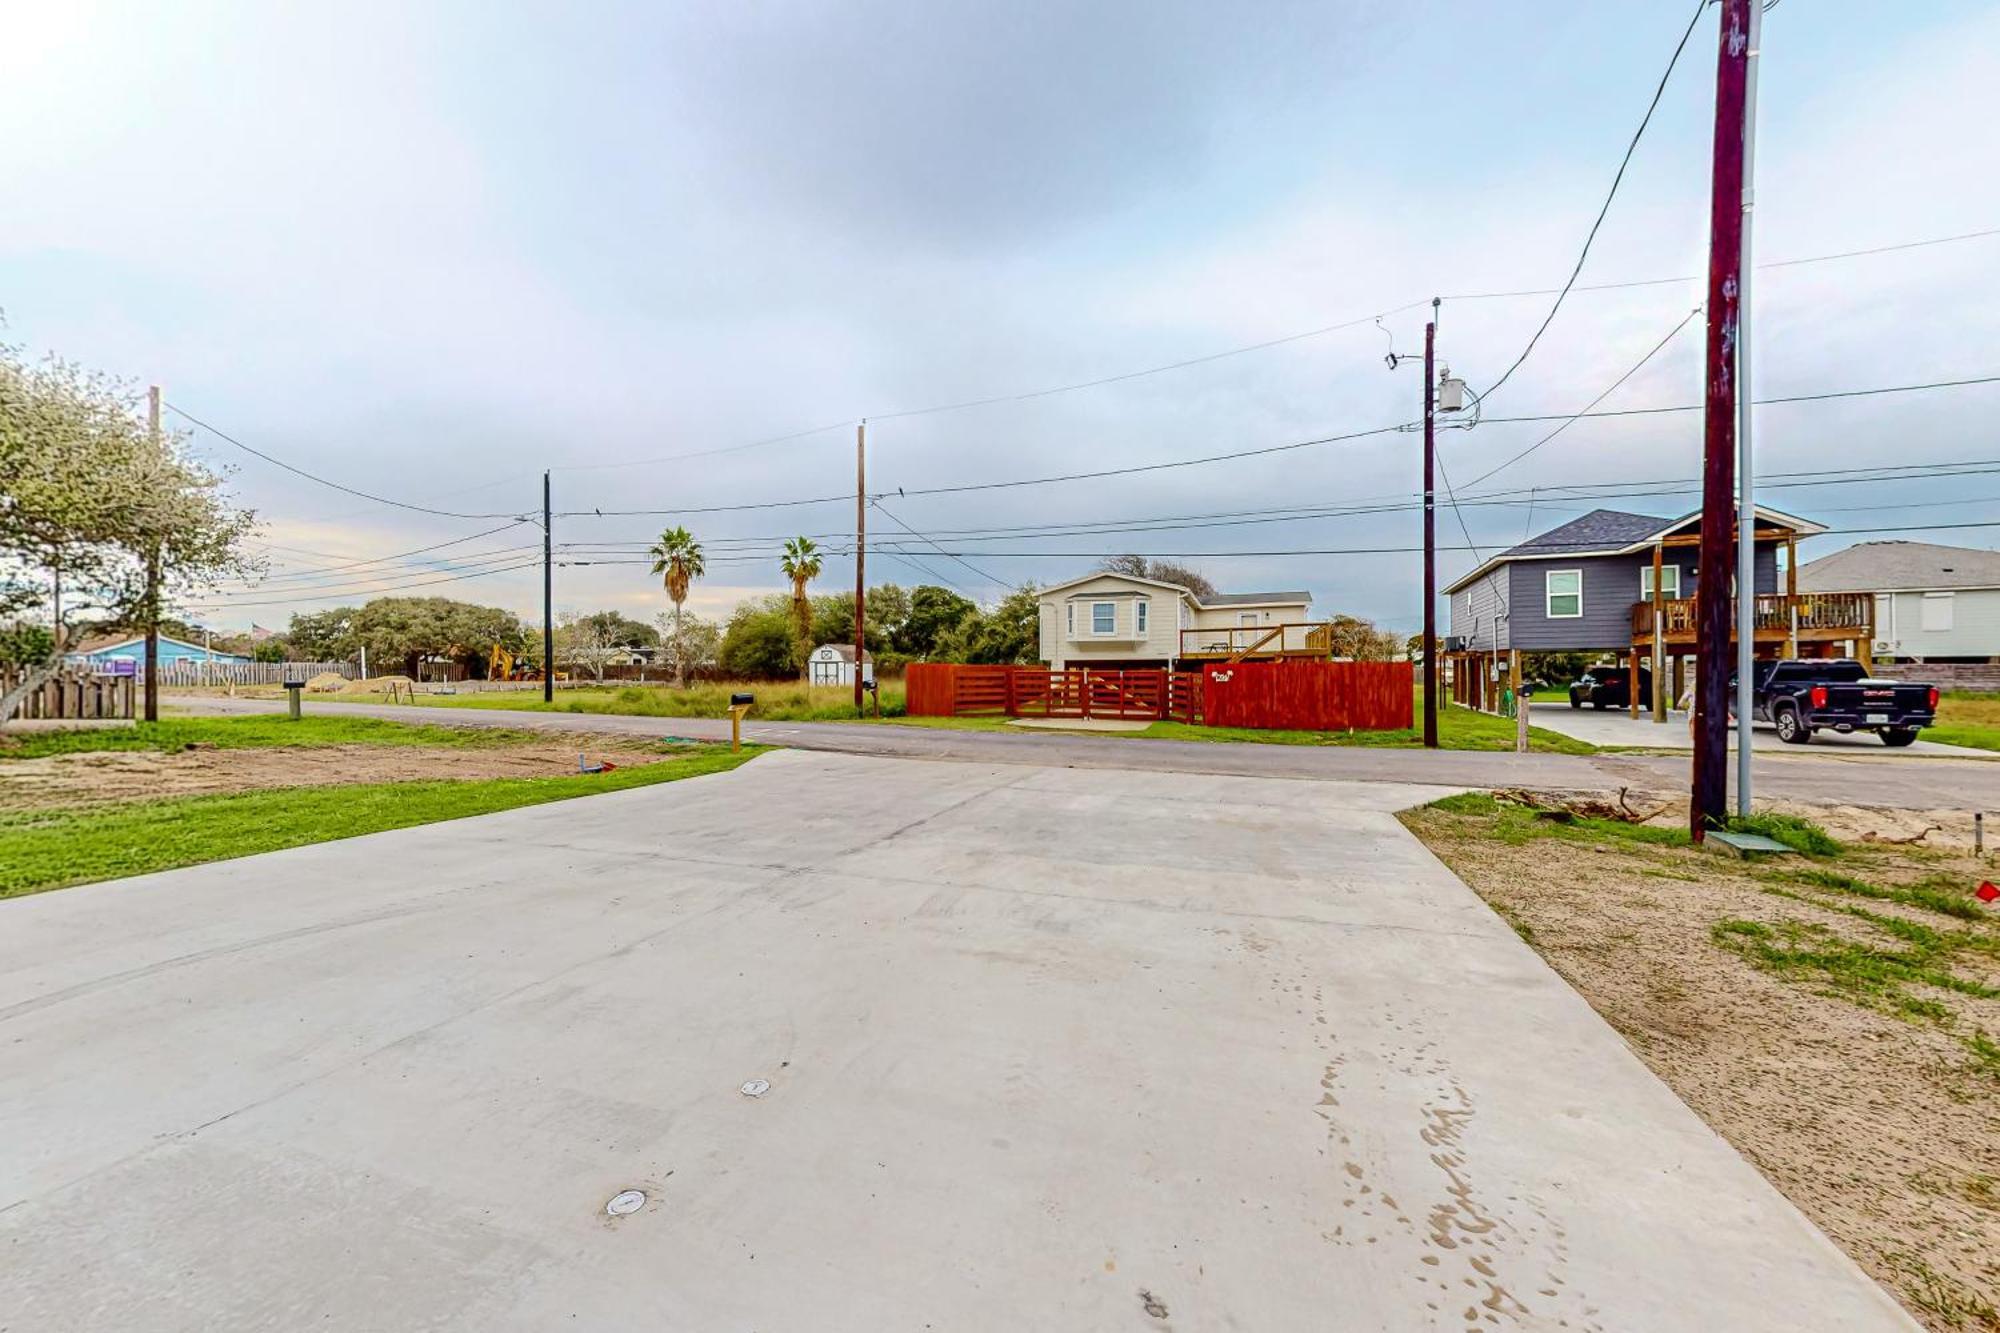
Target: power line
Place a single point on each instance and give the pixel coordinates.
(218, 604)
(471, 560)
(999, 582)
(309, 476)
(1610, 195)
(387, 559)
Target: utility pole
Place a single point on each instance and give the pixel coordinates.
(1430, 535)
(860, 556)
(548, 599)
(1709, 800)
(1746, 485)
(152, 603)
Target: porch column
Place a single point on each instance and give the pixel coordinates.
(1514, 675)
(1792, 592)
(1659, 654)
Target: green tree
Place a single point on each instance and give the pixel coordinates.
(760, 640)
(1008, 634)
(801, 564)
(934, 612)
(677, 558)
(409, 629)
(833, 617)
(323, 636)
(696, 644)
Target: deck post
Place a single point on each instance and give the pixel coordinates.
(1659, 655)
(1792, 591)
(1514, 678)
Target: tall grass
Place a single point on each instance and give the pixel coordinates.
(777, 701)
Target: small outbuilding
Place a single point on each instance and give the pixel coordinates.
(833, 664)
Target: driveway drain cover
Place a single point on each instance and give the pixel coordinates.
(757, 1087)
(625, 1201)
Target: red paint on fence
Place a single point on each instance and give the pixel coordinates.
(1296, 695)
(1309, 696)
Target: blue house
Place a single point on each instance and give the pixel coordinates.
(111, 655)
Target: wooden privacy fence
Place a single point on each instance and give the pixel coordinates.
(190, 671)
(1286, 695)
(69, 692)
(1310, 696)
(955, 689)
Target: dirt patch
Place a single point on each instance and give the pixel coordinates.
(138, 775)
(1832, 1018)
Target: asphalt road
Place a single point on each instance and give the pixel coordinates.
(1872, 777)
(883, 1044)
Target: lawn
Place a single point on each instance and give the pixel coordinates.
(1967, 719)
(243, 733)
(51, 849)
(782, 701)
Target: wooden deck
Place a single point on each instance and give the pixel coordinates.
(1780, 618)
(1258, 643)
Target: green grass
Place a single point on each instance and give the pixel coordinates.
(1943, 896)
(1968, 719)
(43, 850)
(254, 732)
(782, 701)
(1801, 835)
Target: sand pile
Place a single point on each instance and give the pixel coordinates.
(375, 685)
(326, 682)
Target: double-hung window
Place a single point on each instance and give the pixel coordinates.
(1104, 618)
(1670, 582)
(1071, 608)
(1563, 593)
(1139, 610)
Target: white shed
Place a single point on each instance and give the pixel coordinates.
(833, 664)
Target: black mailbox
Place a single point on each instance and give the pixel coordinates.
(742, 700)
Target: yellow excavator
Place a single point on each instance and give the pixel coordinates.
(503, 665)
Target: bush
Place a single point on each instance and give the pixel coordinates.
(26, 645)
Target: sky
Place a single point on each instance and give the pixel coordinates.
(429, 251)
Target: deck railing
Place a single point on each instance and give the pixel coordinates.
(1221, 643)
(1818, 613)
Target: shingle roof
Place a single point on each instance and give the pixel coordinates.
(845, 652)
(1896, 565)
(1599, 530)
(1254, 598)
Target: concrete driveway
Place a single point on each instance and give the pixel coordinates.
(1616, 726)
(1045, 1049)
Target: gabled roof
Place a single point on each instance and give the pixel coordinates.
(1614, 532)
(843, 651)
(1898, 566)
(1219, 599)
(137, 642)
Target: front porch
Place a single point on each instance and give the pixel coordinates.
(1781, 622)
(1257, 643)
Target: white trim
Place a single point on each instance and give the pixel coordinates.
(1549, 595)
(1097, 633)
(1646, 582)
(1142, 615)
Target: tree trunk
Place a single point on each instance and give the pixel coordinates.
(152, 698)
(680, 650)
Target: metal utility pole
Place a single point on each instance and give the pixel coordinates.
(152, 695)
(860, 557)
(1746, 486)
(548, 599)
(1430, 535)
(1709, 800)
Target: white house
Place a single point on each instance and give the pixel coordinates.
(1932, 603)
(1118, 621)
(833, 664)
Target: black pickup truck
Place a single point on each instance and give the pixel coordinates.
(1803, 696)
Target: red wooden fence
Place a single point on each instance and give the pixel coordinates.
(1299, 695)
(1309, 696)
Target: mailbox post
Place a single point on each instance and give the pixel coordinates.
(292, 690)
(739, 704)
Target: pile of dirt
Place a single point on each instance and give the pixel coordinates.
(326, 682)
(107, 777)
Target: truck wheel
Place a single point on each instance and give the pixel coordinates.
(1575, 702)
(1599, 704)
(1897, 736)
(1790, 730)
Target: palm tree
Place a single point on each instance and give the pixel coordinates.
(678, 556)
(801, 566)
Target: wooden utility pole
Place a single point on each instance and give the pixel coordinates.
(1709, 803)
(860, 557)
(1430, 536)
(548, 599)
(152, 696)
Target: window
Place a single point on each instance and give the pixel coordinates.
(1104, 617)
(1246, 617)
(1563, 593)
(1072, 620)
(1139, 612)
(1670, 582)
(1937, 611)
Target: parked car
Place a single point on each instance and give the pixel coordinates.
(1609, 687)
(1800, 697)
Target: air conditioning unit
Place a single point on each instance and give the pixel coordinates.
(1454, 643)
(1884, 647)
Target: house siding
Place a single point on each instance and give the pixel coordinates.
(1610, 587)
(1480, 611)
(1161, 641)
(1975, 630)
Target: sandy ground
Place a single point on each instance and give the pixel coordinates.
(1880, 1128)
(91, 779)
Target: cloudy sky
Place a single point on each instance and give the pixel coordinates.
(428, 250)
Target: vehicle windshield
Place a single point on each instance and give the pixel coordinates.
(1841, 673)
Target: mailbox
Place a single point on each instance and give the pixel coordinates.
(742, 700)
